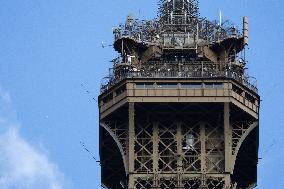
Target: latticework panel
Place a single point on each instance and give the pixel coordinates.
(143, 147)
(178, 150)
(113, 170)
(239, 129)
(192, 183)
(215, 183)
(214, 144)
(167, 147)
(144, 184)
(119, 129)
(191, 147)
(168, 183)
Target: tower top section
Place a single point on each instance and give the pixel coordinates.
(179, 37)
(178, 25)
(168, 9)
(176, 13)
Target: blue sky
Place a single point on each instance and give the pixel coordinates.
(49, 48)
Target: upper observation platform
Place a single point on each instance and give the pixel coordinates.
(179, 43)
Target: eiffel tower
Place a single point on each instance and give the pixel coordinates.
(178, 109)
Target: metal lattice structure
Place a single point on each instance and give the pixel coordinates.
(178, 109)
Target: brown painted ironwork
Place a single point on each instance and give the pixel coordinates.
(178, 109)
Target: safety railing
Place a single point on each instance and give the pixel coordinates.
(111, 80)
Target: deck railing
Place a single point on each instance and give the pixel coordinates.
(111, 81)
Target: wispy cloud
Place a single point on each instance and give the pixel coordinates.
(22, 166)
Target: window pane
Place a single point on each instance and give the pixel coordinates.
(214, 85)
(192, 85)
(167, 85)
(144, 85)
(140, 85)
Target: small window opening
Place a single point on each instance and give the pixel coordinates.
(189, 142)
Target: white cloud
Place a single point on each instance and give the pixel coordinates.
(22, 166)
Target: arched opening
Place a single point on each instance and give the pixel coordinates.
(112, 161)
(245, 169)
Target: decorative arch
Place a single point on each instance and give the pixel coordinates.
(241, 141)
(118, 143)
(104, 186)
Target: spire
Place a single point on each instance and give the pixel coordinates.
(172, 8)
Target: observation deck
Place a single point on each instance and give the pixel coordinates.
(177, 109)
(178, 70)
(181, 82)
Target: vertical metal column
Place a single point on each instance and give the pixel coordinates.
(131, 143)
(228, 144)
(180, 155)
(203, 154)
(156, 154)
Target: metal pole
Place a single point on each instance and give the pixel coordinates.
(228, 144)
(131, 142)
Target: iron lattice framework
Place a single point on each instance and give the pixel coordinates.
(174, 10)
(178, 109)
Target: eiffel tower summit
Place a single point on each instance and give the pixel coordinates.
(178, 109)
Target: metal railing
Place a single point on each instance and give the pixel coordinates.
(111, 80)
(147, 30)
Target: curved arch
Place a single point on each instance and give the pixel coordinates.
(248, 131)
(104, 186)
(118, 145)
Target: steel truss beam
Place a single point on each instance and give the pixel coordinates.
(164, 146)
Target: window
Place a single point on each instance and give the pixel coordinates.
(237, 90)
(120, 90)
(214, 85)
(189, 142)
(144, 85)
(108, 98)
(167, 85)
(191, 85)
(249, 98)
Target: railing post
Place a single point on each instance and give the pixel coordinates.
(202, 69)
(175, 69)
